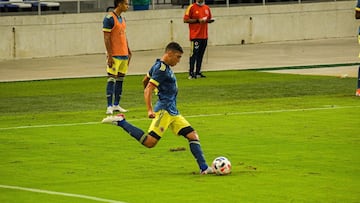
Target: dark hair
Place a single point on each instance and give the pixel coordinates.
(174, 46)
(116, 2)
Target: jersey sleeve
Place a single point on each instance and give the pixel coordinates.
(358, 5)
(210, 15)
(187, 14)
(158, 74)
(108, 23)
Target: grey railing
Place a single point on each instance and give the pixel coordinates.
(86, 6)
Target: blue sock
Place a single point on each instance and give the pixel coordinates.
(135, 132)
(198, 154)
(110, 90)
(118, 90)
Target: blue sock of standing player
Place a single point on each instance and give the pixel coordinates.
(110, 90)
(195, 149)
(118, 90)
(134, 131)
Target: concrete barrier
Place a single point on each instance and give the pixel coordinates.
(78, 34)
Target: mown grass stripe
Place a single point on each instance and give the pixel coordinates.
(246, 69)
(304, 67)
(188, 116)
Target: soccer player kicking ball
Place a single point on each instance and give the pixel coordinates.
(165, 113)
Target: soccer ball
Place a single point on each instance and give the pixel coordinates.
(221, 166)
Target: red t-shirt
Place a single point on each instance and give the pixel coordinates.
(198, 30)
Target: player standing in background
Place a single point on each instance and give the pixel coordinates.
(118, 54)
(165, 114)
(197, 15)
(357, 16)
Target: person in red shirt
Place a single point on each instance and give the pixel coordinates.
(197, 15)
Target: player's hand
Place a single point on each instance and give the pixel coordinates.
(110, 61)
(151, 114)
(130, 54)
(203, 20)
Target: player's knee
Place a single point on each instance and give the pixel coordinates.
(192, 136)
(186, 131)
(111, 79)
(120, 78)
(149, 145)
(150, 142)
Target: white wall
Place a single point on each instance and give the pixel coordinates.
(76, 34)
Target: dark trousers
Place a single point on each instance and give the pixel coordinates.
(198, 47)
(358, 83)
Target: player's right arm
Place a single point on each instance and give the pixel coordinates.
(357, 10)
(108, 24)
(107, 41)
(150, 87)
(191, 21)
(188, 16)
(146, 80)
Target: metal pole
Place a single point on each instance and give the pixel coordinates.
(171, 31)
(228, 3)
(78, 6)
(264, 2)
(14, 43)
(39, 7)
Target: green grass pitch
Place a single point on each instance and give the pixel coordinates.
(290, 138)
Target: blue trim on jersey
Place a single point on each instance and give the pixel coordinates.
(167, 86)
(358, 4)
(108, 22)
(121, 57)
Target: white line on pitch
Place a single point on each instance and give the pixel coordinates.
(189, 116)
(50, 125)
(273, 111)
(60, 193)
